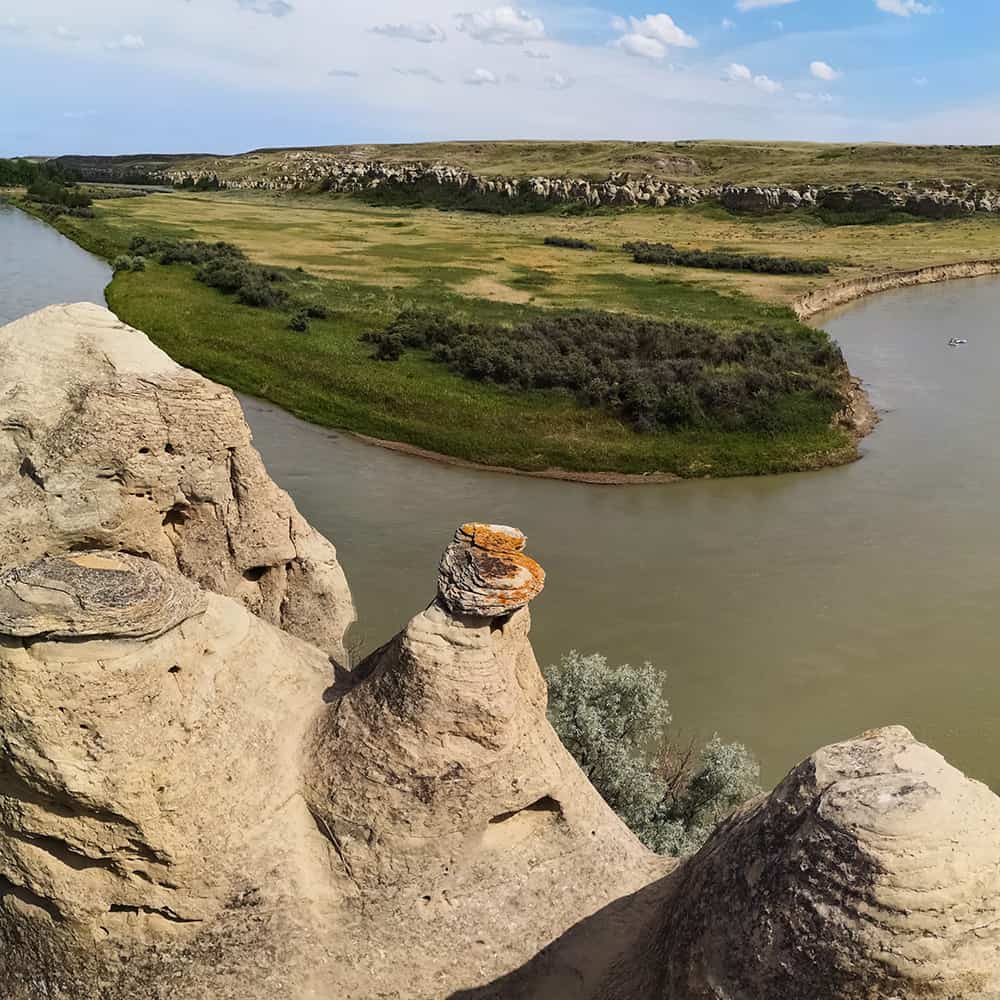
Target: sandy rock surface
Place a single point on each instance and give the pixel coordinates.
(105, 443)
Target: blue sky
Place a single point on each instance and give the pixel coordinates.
(114, 76)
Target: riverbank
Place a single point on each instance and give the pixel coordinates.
(329, 376)
(843, 293)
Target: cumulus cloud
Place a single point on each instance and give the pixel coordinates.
(766, 84)
(557, 81)
(904, 8)
(759, 4)
(131, 43)
(728, 24)
(537, 54)
(806, 97)
(15, 27)
(823, 71)
(275, 8)
(418, 71)
(65, 35)
(418, 31)
(738, 73)
(502, 26)
(482, 78)
(651, 36)
(920, 81)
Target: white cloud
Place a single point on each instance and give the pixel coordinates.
(904, 8)
(418, 71)
(131, 43)
(536, 54)
(920, 81)
(15, 27)
(728, 24)
(418, 31)
(79, 115)
(557, 81)
(276, 8)
(823, 71)
(64, 34)
(739, 73)
(650, 37)
(344, 74)
(481, 78)
(766, 84)
(759, 4)
(502, 26)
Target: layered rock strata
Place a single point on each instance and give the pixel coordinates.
(303, 169)
(107, 443)
(150, 740)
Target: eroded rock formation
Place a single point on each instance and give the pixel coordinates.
(150, 740)
(302, 169)
(871, 871)
(107, 443)
(193, 805)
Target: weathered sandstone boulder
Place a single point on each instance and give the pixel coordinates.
(872, 872)
(107, 443)
(150, 814)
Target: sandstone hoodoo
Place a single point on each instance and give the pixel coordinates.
(106, 443)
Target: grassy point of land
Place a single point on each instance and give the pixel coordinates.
(365, 264)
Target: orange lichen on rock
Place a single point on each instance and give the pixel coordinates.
(484, 572)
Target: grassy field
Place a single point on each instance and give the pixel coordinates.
(713, 161)
(367, 263)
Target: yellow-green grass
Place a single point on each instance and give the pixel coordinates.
(367, 263)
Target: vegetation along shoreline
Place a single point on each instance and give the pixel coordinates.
(333, 309)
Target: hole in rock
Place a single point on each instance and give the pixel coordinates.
(498, 623)
(255, 574)
(144, 451)
(174, 669)
(546, 804)
(169, 449)
(177, 515)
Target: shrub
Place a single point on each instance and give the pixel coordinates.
(569, 242)
(653, 375)
(615, 722)
(299, 321)
(717, 260)
(316, 310)
(124, 262)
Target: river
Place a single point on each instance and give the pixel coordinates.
(785, 612)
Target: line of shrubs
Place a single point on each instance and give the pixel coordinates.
(653, 375)
(227, 268)
(719, 260)
(568, 242)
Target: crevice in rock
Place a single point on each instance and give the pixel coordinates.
(29, 898)
(156, 911)
(546, 804)
(29, 471)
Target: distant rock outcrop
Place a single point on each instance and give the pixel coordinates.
(304, 169)
(107, 443)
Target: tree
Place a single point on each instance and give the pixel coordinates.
(615, 722)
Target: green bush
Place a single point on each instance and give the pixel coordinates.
(568, 242)
(316, 310)
(299, 321)
(717, 260)
(615, 722)
(654, 375)
(124, 262)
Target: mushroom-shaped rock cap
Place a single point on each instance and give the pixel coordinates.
(92, 594)
(485, 573)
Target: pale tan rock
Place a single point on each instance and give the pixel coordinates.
(872, 872)
(149, 787)
(105, 443)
